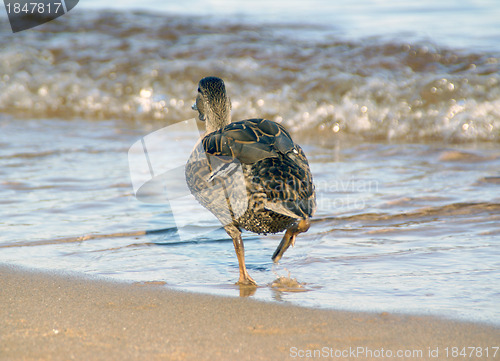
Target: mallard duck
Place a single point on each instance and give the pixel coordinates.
(272, 192)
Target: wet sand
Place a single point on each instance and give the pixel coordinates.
(46, 316)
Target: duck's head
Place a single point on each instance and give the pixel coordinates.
(213, 104)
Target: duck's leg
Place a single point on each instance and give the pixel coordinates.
(235, 234)
(289, 237)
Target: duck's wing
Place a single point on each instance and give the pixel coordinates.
(249, 141)
(288, 184)
(279, 166)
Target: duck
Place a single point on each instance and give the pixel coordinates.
(250, 174)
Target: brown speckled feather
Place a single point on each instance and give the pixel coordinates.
(278, 180)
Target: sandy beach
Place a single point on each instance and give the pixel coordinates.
(47, 316)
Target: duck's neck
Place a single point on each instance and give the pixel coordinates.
(218, 120)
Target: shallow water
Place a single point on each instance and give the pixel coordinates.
(407, 227)
(403, 140)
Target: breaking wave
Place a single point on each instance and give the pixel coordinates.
(145, 67)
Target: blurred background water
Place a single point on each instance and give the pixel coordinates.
(396, 103)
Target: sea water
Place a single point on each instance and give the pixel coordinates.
(401, 126)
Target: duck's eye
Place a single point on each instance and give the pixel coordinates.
(199, 90)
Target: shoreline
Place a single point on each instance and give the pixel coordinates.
(52, 316)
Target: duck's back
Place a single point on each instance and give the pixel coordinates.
(278, 186)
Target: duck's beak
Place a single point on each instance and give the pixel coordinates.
(194, 106)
